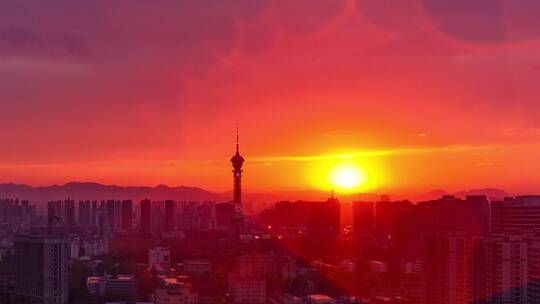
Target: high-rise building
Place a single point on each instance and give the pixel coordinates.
(451, 213)
(69, 215)
(521, 213)
(127, 215)
(93, 213)
(237, 161)
(169, 215)
(55, 211)
(40, 269)
(111, 215)
(449, 275)
(145, 215)
(103, 219)
(501, 269)
(156, 217)
(51, 210)
(314, 218)
(197, 216)
(386, 213)
(118, 215)
(492, 268)
(84, 213)
(224, 213)
(363, 218)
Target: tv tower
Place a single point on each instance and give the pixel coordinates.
(237, 161)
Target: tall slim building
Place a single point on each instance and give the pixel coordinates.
(102, 219)
(111, 217)
(127, 215)
(145, 215)
(237, 161)
(94, 213)
(169, 215)
(54, 210)
(40, 269)
(84, 213)
(118, 215)
(51, 210)
(69, 209)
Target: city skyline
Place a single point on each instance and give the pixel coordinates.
(270, 151)
(443, 98)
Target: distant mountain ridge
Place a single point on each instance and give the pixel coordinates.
(96, 191)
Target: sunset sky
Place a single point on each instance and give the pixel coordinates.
(420, 94)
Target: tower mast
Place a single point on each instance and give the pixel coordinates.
(237, 162)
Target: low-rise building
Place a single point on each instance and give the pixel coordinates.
(118, 285)
(378, 266)
(159, 256)
(197, 267)
(175, 293)
(247, 289)
(320, 299)
(96, 285)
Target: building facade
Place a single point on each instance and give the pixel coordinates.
(40, 269)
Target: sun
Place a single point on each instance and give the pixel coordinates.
(347, 176)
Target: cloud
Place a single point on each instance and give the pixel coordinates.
(381, 153)
(18, 36)
(486, 21)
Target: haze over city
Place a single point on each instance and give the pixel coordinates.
(419, 95)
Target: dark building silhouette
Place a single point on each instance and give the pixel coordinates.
(363, 218)
(386, 213)
(93, 213)
(127, 215)
(451, 213)
(84, 213)
(169, 215)
(224, 213)
(314, 218)
(111, 215)
(145, 215)
(412, 223)
(51, 210)
(69, 215)
(103, 219)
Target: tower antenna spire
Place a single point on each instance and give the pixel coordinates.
(237, 138)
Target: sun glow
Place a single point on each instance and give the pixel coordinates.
(346, 173)
(347, 176)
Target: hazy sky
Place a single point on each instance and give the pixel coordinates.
(421, 93)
